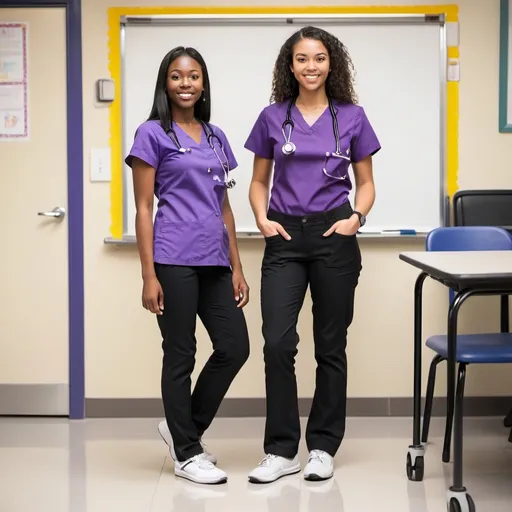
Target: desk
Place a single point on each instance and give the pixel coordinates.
(468, 273)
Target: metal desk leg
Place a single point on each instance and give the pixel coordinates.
(415, 457)
(458, 500)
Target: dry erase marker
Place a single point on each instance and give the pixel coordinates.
(399, 232)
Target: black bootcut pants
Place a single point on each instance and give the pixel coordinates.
(207, 292)
(331, 266)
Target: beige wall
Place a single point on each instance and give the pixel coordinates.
(122, 340)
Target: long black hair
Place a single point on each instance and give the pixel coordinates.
(161, 109)
(340, 82)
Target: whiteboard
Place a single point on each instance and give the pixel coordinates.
(400, 81)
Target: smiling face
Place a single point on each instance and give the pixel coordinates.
(184, 82)
(310, 64)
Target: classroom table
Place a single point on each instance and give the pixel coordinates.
(467, 273)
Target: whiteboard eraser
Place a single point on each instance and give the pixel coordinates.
(105, 89)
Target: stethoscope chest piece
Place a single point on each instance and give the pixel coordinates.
(289, 148)
(224, 162)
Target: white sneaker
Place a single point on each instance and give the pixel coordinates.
(273, 467)
(163, 429)
(200, 470)
(320, 466)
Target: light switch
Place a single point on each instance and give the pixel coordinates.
(100, 164)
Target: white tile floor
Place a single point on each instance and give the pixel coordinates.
(49, 465)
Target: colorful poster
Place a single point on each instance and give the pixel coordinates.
(13, 82)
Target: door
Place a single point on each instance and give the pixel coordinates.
(34, 240)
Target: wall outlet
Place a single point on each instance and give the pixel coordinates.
(100, 164)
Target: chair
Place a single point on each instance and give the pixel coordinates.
(492, 207)
(471, 348)
(483, 208)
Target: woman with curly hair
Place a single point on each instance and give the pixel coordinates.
(312, 132)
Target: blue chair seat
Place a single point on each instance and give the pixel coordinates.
(476, 348)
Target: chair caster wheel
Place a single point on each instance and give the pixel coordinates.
(466, 505)
(507, 422)
(415, 472)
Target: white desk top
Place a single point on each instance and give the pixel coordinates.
(462, 265)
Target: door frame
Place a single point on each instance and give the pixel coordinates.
(75, 191)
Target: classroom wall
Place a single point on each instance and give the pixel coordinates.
(122, 341)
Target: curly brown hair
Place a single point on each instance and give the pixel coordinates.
(340, 82)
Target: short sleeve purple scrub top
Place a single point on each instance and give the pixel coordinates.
(300, 186)
(189, 229)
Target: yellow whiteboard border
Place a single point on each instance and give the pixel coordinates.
(114, 64)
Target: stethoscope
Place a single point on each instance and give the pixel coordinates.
(210, 137)
(289, 147)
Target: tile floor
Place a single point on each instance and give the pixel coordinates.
(53, 465)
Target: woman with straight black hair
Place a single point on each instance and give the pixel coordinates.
(189, 255)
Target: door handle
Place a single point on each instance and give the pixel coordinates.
(57, 212)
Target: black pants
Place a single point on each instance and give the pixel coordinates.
(207, 292)
(331, 266)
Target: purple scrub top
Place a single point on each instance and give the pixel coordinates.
(189, 229)
(300, 186)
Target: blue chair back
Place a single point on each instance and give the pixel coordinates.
(469, 238)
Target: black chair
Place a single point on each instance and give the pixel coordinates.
(487, 208)
(483, 208)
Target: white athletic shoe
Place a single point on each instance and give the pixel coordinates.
(273, 467)
(200, 470)
(320, 466)
(163, 429)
